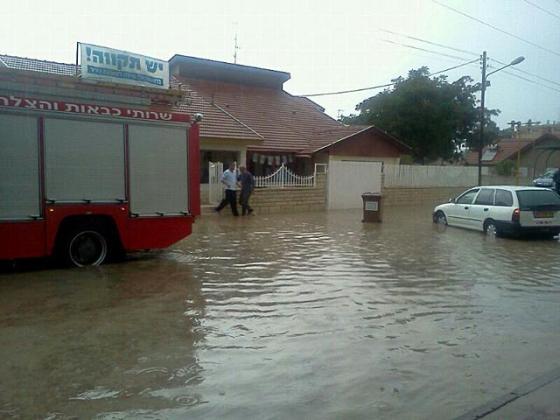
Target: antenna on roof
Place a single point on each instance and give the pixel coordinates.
(235, 46)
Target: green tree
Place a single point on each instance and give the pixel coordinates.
(430, 114)
(506, 168)
(491, 130)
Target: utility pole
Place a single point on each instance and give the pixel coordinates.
(482, 95)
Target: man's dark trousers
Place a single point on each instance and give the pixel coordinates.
(231, 198)
(244, 201)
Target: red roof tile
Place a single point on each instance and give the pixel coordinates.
(285, 122)
(217, 123)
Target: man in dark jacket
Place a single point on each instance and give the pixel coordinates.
(556, 179)
(247, 182)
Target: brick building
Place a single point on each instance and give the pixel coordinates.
(249, 118)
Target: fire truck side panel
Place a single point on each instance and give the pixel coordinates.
(156, 232)
(56, 214)
(134, 233)
(19, 168)
(84, 161)
(194, 170)
(22, 239)
(158, 177)
(138, 179)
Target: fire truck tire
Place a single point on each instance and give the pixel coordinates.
(86, 246)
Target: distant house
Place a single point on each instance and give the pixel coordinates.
(535, 155)
(249, 118)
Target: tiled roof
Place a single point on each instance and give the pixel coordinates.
(285, 122)
(216, 123)
(506, 148)
(31, 64)
(342, 133)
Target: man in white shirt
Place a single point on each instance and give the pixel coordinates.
(229, 179)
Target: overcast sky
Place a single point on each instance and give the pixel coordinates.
(325, 45)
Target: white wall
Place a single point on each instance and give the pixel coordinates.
(348, 180)
(429, 176)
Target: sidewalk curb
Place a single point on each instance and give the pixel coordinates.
(518, 392)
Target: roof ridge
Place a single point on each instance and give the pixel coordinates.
(298, 101)
(305, 98)
(188, 90)
(235, 119)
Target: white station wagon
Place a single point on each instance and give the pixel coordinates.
(503, 210)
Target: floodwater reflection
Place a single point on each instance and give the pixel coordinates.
(311, 315)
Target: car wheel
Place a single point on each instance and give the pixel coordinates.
(440, 218)
(491, 229)
(86, 248)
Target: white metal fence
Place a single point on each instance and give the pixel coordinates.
(429, 176)
(215, 187)
(284, 178)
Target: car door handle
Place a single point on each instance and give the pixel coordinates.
(486, 209)
(466, 207)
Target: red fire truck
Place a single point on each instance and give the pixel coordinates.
(84, 181)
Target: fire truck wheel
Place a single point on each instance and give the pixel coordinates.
(86, 247)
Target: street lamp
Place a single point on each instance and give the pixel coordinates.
(482, 95)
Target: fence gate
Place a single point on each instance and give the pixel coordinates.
(215, 187)
(348, 180)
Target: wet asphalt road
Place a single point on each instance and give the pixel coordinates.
(313, 315)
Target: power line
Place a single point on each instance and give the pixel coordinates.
(423, 49)
(445, 70)
(473, 53)
(543, 9)
(527, 73)
(340, 92)
(528, 80)
(454, 67)
(385, 85)
(447, 55)
(531, 81)
(431, 43)
(496, 28)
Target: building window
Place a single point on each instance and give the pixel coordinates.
(267, 163)
(206, 156)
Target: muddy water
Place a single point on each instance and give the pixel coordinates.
(302, 316)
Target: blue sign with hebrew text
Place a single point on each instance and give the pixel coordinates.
(115, 66)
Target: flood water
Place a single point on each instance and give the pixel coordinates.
(310, 315)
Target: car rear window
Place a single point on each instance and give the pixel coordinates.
(538, 199)
(504, 198)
